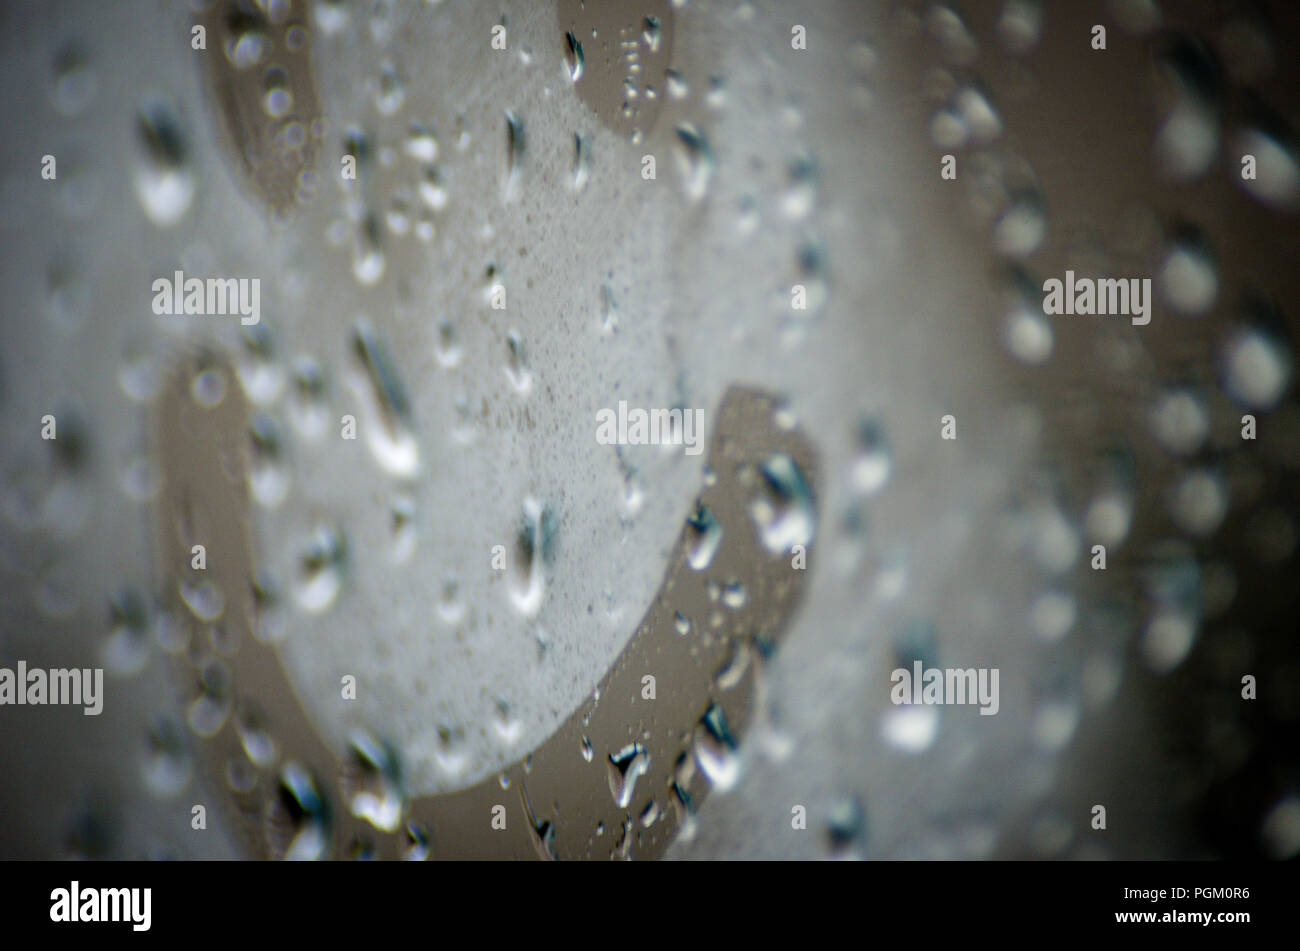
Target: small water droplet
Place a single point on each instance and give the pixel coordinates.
(371, 782)
(706, 536)
(320, 575)
(714, 749)
(163, 181)
(208, 711)
(694, 161)
(574, 57)
(1180, 420)
(297, 818)
(784, 509)
(625, 767)
(1188, 276)
(167, 764)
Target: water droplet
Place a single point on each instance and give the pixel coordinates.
(682, 623)
(573, 57)
(532, 546)
(784, 511)
(1026, 332)
(389, 436)
(1277, 168)
(208, 388)
(421, 144)
(307, 410)
(390, 93)
(1199, 501)
(625, 767)
(694, 161)
(514, 151)
(1256, 367)
(416, 847)
(714, 750)
(258, 744)
(321, 570)
(1168, 638)
(204, 599)
(74, 83)
(1280, 832)
(371, 782)
(298, 817)
(874, 460)
(163, 181)
(910, 728)
(800, 195)
(1180, 420)
(208, 711)
(1188, 276)
(127, 649)
(705, 537)
(1052, 615)
(268, 477)
(1022, 226)
(845, 825)
(1110, 513)
(167, 764)
(1021, 25)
